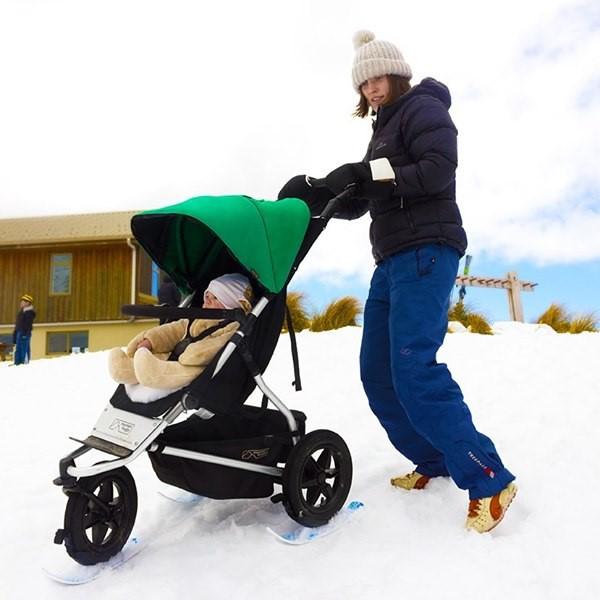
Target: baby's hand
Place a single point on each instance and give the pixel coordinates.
(145, 344)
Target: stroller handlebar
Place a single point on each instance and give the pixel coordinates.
(316, 182)
(332, 206)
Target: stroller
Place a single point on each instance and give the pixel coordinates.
(226, 448)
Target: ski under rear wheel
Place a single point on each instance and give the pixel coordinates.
(99, 518)
(317, 478)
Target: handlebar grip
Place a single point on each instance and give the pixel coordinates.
(333, 204)
(316, 182)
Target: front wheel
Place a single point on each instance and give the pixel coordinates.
(317, 478)
(100, 515)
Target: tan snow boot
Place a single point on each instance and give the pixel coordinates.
(410, 481)
(486, 513)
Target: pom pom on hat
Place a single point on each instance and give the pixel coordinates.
(364, 36)
(375, 58)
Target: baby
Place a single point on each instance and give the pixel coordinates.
(145, 359)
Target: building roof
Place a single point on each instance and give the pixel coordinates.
(96, 227)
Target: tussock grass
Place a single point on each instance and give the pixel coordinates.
(339, 313)
(297, 305)
(557, 317)
(476, 322)
(586, 322)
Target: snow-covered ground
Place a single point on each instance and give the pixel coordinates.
(535, 392)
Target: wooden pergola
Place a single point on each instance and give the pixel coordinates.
(510, 283)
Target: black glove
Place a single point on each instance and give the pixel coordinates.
(360, 175)
(351, 173)
(297, 187)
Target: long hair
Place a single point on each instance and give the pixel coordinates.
(398, 87)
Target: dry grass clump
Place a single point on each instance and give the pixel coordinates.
(297, 305)
(478, 324)
(557, 317)
(339, 313)
(465, 315)
(586, 322)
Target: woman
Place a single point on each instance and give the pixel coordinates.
(407, 184)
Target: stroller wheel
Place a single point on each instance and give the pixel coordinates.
(100, 517)
(317, 478)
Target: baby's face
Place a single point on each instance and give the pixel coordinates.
(210, 301)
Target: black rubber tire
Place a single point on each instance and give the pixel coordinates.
(93, 533)
(317, 478)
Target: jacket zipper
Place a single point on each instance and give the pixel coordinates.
(408, 215)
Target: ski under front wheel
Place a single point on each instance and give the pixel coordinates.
(317, 478)
(100, 515)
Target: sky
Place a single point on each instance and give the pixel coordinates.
(136, 104)
(402, 544)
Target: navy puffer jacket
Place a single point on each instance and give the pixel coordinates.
(418, 137)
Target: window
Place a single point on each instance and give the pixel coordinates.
(8, 349)
(65, 342)
(60, 273)
(155, 279)
(149, 275)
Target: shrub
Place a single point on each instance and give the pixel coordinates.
(339, 313)
(557, 317)
(459, 312)
(586, 322)
(478, 324)
(469, 318)
(296, 303)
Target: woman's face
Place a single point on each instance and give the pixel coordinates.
(210, 301)
(376, 90)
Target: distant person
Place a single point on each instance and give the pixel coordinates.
(168, 294)
(173, 354)
(23, 329)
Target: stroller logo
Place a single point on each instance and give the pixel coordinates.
(255, 454)
(121, 426)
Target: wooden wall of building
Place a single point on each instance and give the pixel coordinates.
(100, 282)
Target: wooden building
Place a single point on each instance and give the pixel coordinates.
(80, 270)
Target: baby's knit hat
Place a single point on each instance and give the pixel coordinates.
(232, 290)
(27, 298)
(375, 58)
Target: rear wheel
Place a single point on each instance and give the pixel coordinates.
(317, 478)
(99, 516)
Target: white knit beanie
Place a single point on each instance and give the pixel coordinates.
(375, 58)
(230, 290)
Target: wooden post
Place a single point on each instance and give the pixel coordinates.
(514, 297)
(510, 283)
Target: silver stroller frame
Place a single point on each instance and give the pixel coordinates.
(128, 435)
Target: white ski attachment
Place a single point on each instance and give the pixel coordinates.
(304, 535)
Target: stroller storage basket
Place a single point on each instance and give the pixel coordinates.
(254, 435)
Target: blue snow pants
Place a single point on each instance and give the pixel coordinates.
(22, 348)
(414, 397)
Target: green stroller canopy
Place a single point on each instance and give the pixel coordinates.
(263, 236)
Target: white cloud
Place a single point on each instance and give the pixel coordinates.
(137, 103)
